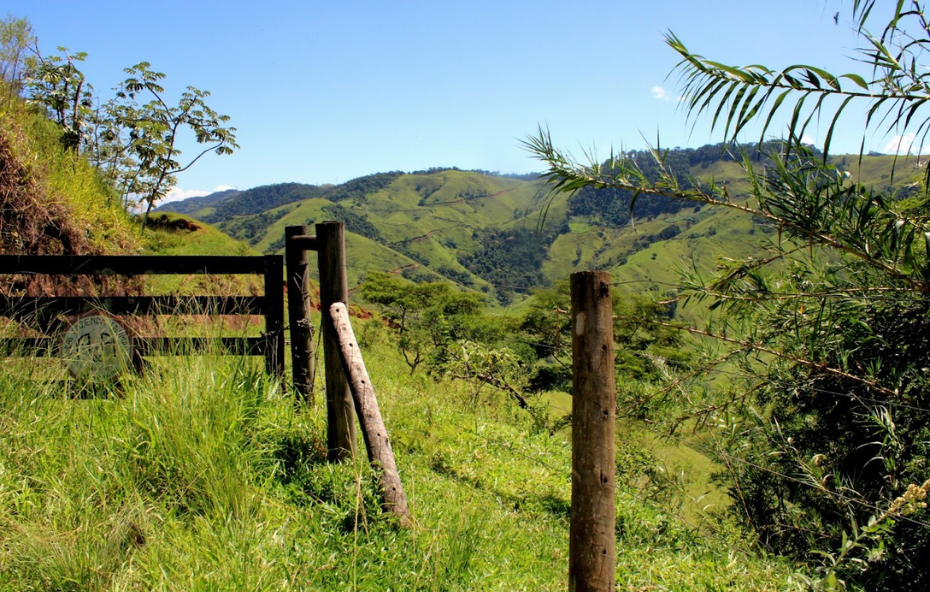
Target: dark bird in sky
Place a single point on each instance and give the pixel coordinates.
(836, 18)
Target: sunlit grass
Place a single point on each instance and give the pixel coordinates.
(202, 474)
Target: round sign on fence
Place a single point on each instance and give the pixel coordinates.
(96, 347)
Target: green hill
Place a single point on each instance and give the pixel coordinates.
(52, 202)
(506, 236)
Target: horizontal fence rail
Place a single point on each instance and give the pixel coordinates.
(131, 265)
(43, 310)
(146, 346)
(25, 307)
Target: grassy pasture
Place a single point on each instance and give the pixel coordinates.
(201, 474)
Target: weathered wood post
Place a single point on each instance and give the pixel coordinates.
(331, 252)
(592, 540)
(374, 433)
(296, 244)
(274, 315)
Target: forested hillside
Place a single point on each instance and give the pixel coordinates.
(505, 236)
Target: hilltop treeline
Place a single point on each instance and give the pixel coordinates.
(267, 197)
(616, 207)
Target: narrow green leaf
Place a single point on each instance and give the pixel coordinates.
(859, 80)
(734, 72)
(737, 101)
(830, 79)
(723, 103)
(795, 115)
(748, 112)
(768, 120)
(836, 116)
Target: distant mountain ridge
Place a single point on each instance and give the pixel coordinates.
(194, 204)
(505, 235)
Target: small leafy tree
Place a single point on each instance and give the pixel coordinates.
(825, 446)
(56, 84)
(447, 331)
(139, 147)
(132, 138)
(16, 38)
(484, 365)
(428, 317)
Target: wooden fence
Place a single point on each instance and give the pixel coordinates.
(329, 242)
(342, 359)
(592, 554)
(592, 536)
(348, 386)
(42, 311)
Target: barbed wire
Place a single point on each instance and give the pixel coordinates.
(854, 396)
(711, 453)
(879, 294)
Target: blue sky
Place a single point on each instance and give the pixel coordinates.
(322, 92)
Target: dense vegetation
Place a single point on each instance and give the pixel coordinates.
(511, 260)
(358, 189)
(354, 222)
(821, 431)
(252, 228)
(615, 207)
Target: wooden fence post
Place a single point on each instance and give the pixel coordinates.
(274, 315)
(331, 252)
(592, 539)
(298, 312)
(374, 433)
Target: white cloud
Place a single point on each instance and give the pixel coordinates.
(901, 144)
(807, 140)
(178, 194)
(660, 93)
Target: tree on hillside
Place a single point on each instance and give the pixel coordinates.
(132, 138)
(138, 143)
(57, 85)
(428, 318)
(825, 447)
(16, 38)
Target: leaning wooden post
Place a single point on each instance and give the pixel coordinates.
(274, 315)
(369, 416)
(592, 540)
(331, 252)
(298, 310)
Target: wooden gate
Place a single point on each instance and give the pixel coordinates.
(341, 356)
(30, 309)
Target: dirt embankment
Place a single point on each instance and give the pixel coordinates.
(33, 222)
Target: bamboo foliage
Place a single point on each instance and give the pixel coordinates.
(895, 92)
(825, 422)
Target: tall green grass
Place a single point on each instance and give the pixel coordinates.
(65, 181)
(201, 474)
